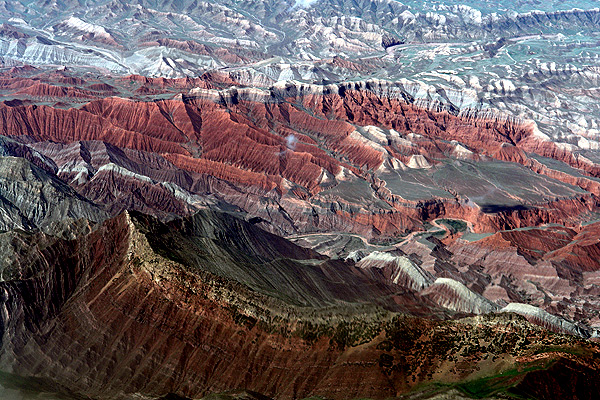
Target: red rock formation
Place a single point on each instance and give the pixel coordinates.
(225, 172)
(103, 87)
(582, 253)
(122, 319)
(153, 119)
(16, 83)
(342, 63)
(226, 55)
(45, 90)
(46, 123)
(11, 32)
(208, 80)
(532, 244)
(296, 140)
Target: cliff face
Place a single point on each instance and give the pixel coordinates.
(331, 166)
(363, 157)
(157, 187)
(33, 198)
(119, 312)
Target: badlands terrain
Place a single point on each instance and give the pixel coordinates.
(326, 199)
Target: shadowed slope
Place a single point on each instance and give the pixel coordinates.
(237, 250)
(32, 197)
(135, 307)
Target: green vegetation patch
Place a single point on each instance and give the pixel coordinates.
(561, 349)
(454, 225)
(500, 383)
(439, 234)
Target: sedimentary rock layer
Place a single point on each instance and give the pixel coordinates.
(127, 310)
(361, 157)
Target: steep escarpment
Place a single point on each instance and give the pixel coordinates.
(549, 273)
(365, 157)
(398, 269)
(112, 314)
(162, 163)
(239, 251)
(34, 198)
(347, 163)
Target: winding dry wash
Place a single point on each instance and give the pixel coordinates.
(280, 199)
